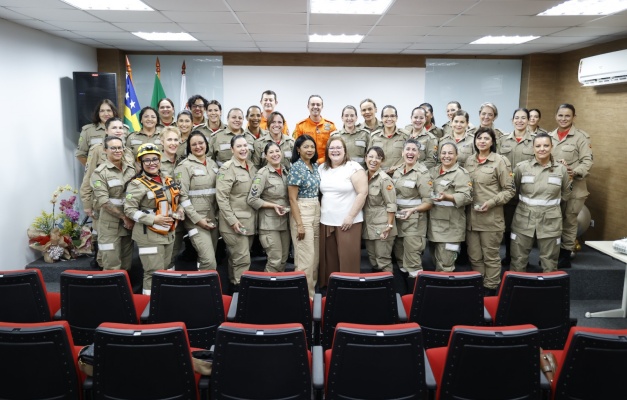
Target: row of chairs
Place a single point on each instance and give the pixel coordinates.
(439, 301)
(368, 362)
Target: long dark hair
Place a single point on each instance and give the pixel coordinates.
(298, 143)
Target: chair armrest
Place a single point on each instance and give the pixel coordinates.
(233, 308)
(145, 314)
(57, 315)
(545, 386)
(402, 315)
(573, 322)
(432, 385)
(487, 318)
(88, 387)
(317, 318)
(203, 386)
(318, 371)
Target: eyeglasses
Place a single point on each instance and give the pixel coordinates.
(116, 148)
(336, 148)
(198, 106)
(148, 161)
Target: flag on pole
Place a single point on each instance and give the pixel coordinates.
(131, 106)
(183, 94)
(157, 90)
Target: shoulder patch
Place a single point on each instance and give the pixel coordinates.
(256, 181)
(129, 196)
(221, 176)
(390, 187)
(97, 183)
(430, 183)
(470, 183)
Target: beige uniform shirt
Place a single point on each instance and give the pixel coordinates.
(413, 187)
(286, 145)
(91, 135)
(447, 219)
(516, 151)
(198, 188)
(140, 206)
(167, 166)
(465, 147)
(576, 150)
(208, 132)
(109, 182)
(428, 147)
(232, 189)
(262, 132)
(96, 157)
(392, 146)
(540, 191)
(492, 181)
(136, 139)
(497, 132)
(220, 146)
(381, 200)
(435, 131)
(378, 125)
(357, 144)
(269, 186)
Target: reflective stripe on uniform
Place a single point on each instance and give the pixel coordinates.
(201, 192)
(137, 216)
(405, 202)
(186, 203)
(105, 246)
(161, 227)
(452, 247)
(116, 202)
(192, 232)
(444, 203)
(538, 202)
(147, 250)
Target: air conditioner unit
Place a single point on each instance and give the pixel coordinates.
(604, 69)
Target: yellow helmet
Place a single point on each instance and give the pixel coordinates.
(147, 148)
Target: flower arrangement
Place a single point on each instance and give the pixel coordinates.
(60, 235)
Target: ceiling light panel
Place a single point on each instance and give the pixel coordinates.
(504, 39)
(586, 7)
(109, 5)
(165, 36)
(349, 6)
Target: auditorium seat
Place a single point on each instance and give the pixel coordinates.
(24, 298)
(192, 297)
(89, 298)
(540, 299)
(489, 363)
(256, 362)
(273, 298)
(38, 361)
(377, 362)
(442, 300)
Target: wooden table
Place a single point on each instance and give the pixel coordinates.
(606, 248)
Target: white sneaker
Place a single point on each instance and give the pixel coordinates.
(403, 269)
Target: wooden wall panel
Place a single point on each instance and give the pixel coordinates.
(539, 77)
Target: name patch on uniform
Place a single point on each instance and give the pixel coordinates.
(528, 179)
(198, 172)
(225, 146)
(114, 182)
(554, 180)
(95, 141)
(135, 141)
(444, 182)
(360, 143)
(288, 153)
(409, 184)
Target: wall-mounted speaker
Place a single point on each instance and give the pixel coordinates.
(90, 88)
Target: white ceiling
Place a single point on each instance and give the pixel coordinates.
(408, 27)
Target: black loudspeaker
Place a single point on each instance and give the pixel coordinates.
(90, 88)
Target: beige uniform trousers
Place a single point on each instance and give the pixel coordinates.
(238, 247)
(521, 247)
(153, 258)
(444, 255)
(306, 251)
(277, 247)
(570, 211)
(483, 253)
(380, 253)
(203, 243)
(408, 251)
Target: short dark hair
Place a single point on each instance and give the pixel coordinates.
(189, 142)
(568, 106)
(110, 138)
(112, 119)
(270, 93)
(490, 132)
(143, 111)
(216, 102)
(298, 143)
(377, 150)
(192, 100)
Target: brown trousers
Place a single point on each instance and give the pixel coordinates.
(340, 251)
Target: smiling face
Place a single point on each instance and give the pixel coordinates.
(276, 125)
(315, 107)
(184, 123)
(151, 163)
(105, 112)
(337, 153)
(451, 109)
(307, 150)
(373, 161)
(166, 111)
(520, 121)
(459, 125)
(198, 146)
(274, 155)
(483, 142)
(542, 149)
(564, 118)
(418, 118)
(240, 149)
(213, 113)
(349, 117)
(254, 117)
(389, 117)
(116, 128)
(171, 143)
(487, 116)
(198, 109)
(115, 150)
(149, 120)
(368, 111)
(448, 155)
(410, 154)
(268, 103)
(235, 120)
(534, 119)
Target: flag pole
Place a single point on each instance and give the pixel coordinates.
(182, 68)
(129, 70)
(158, 66)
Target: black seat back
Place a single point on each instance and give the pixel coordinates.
(23, 297)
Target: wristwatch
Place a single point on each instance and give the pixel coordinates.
(390, 226)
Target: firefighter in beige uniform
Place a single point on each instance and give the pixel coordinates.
(109, 181)
(428, 147)
(220, 145)
(268, 195)
(452, 191)
(573, 148)
(152, 202)
(197, 176)
(391, 145)
(413, 190)
(542, 185)
(379, 229)
(357, 143)
(237, 219)
(465, 145)
(286, 144)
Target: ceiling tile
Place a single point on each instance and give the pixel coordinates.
(590, 31)
(163, 5)
(12, 15)
(434, 46)
(86, 26)
(413, 7)
(409, 20)
(222, 44)
(35, 4)
(148, 27)
(425, 51)
(490, 8)
(283, 49)
(261, 6)
(338, 19)
(610, 20)
(286, 44)
(55, 14)
(464, 30)
(273, 18)
(280, 29)
(104, 36)
(338, 30)
(40, 25)
(236, 37)
(377, 51)
(384, 46)
(201, 29)
(227, 49)
(259, 37)
(130, 16)
(401, 30)
(201, 17)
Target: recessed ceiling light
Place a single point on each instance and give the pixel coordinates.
(504, 39)
(109, 5)
(171, 36)
(586, 7)
(315, 38)
(349, 6)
